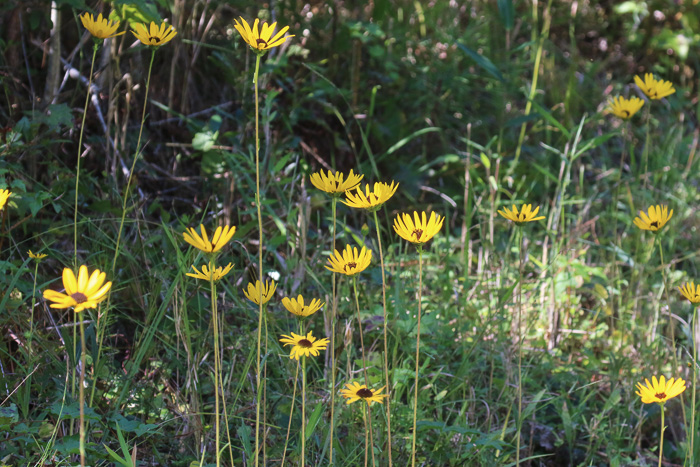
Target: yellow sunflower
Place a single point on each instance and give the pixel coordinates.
(660, 391)
(355, 392)
(253, 292)
(656, 218)
(349, 262)
(373, 199)
(526, 214)
(4, 196)
(296, 306)
(261, 39)
(418, 230)
(654, 89)
(206, 274)
(221, 237)
(37, 256)
(100, 28)
(335, 183)
(154, 36)
(626, 108)
(83, 292)
(691, 292)
(304, 346)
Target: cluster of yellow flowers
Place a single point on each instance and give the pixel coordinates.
(652, 88)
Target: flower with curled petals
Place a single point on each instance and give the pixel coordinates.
(85, 291)
(355, 392)
(526, 214)
(418, 229)
(691, 292)
(253, 292)
(349, 262)
(296, 306)
(260, 40)
(37, 256)
(370, 199)
(208, 274)
(655, 219)
(335, 183)
(221, 237)
(626, 108)
(660, 391)
(100, 28)
(154, 35)
(652, 88)
(303, 346)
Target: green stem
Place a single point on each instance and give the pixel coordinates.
(260, 262)
(102, 322)
(334, 304)
(692, 385)
(661, 438)
(673, 327)
(520, 349)
(31, 319)
(646, 146)
(133, 163)
(303, 412)
(80, 146)
(362, 346)
(415, 390)
(386, 345)
(82, 393)
(291, 412)
(217, 363)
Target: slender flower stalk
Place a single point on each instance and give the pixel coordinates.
(303, 410)
(386, 342)
(659, 391)
(520, 217)
(334, 310)
(212, 273)
(291, 412)
(692, 294)
(84, 291)
(654, 89)
(303, 346)
(217, 356)
(95, 47)
(415, 383)
(258, 381)
(364, 366)
(37, 259)
(260, 294)
(418, 230)
(335, 184)
(102, 323)
(520, 346)
(260, 41)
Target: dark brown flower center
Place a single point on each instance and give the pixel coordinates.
(154, 40)
(364, 393)
(79, 297)
(660, 395)
(655, 224)
(261, 41)
(626, 113)
(305, 343)
(418, 233)
(349, 265)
